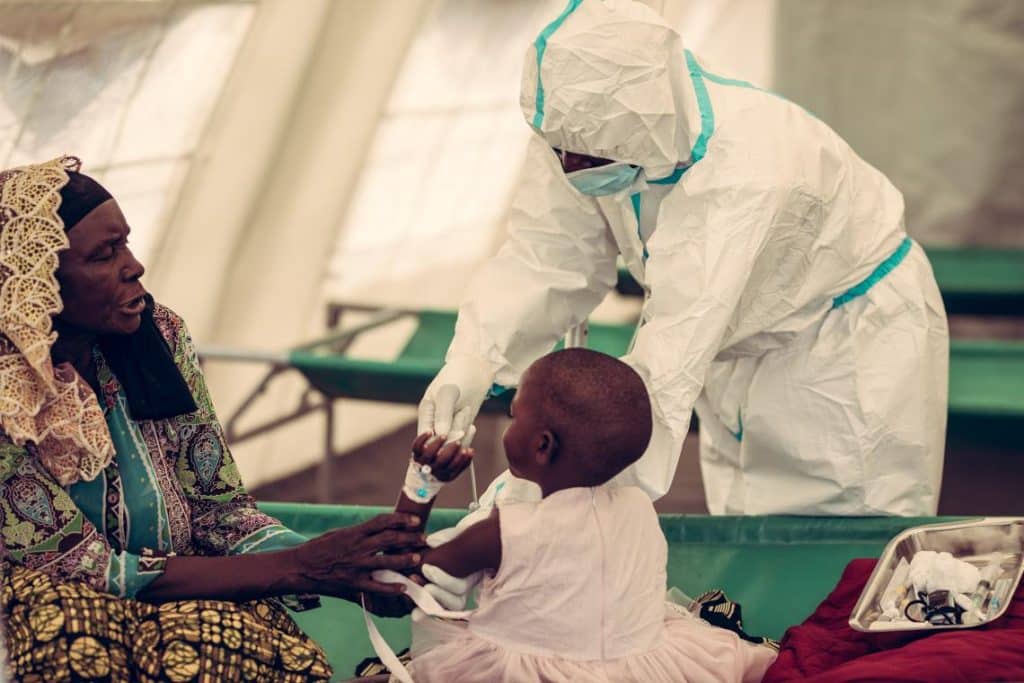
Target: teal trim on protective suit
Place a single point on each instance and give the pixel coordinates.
(738, 435)
(635, 198)
(670, 179)
(700, 147)
(722, 80)
(541, 44)
(707, 118)
(707, 113)
(883, 269)
(497, 390)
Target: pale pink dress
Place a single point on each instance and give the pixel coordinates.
(580, 596)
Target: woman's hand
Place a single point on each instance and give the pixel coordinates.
(446, 461)
(340, 562)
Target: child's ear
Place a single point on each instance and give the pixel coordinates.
(547, 447)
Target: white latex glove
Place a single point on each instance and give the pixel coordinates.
(453, 399)
(450, 591)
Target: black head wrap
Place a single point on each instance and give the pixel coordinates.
(79, 197)
(141, 361)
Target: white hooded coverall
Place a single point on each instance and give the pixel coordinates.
(785, 302)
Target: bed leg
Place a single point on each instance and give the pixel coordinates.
(326, 465)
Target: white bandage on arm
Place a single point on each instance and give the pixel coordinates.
(420, 485)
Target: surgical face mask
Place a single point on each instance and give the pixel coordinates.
(604, 180)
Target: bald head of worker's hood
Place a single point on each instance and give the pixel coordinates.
(612, 85)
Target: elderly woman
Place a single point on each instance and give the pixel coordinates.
(131, 549)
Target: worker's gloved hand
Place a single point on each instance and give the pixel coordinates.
(453, 399)
(452, 592)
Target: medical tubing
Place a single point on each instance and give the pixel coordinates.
(472, 483)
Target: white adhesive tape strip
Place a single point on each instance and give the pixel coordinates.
(420, 485)
(424, 600)
(387, 656)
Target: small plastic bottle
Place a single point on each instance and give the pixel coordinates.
(988, 578)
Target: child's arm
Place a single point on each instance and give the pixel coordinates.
(446, 462)
(477, 548)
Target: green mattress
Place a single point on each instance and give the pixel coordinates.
(777, 568)
(979, 280)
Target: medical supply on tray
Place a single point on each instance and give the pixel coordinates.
(953, 575)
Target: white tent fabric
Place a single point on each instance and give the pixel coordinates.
(106, 83)
(431, 198)
(735, 36)
(932, 93)
(249, 245)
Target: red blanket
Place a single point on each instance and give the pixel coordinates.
(825, 648)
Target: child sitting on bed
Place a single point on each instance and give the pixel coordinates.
(576, 587)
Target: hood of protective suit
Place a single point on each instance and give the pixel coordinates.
(607, 78)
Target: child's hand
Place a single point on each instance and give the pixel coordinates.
(446, 461)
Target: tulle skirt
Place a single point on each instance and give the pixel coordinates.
(691, 651)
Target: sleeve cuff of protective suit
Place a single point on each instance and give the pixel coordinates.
(497, 390)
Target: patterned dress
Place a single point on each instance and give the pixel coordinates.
(75, 557)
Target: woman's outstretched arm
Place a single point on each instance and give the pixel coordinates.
(338, 563)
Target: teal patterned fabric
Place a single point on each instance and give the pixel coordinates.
(172, 488)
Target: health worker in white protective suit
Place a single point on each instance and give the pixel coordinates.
(784, 301)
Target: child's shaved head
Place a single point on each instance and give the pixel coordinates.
(597, 407)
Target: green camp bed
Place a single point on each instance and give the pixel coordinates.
(333, 374)
(980, 281)
(985, 376)
(777, 568)
(973, 281)
(404, 379)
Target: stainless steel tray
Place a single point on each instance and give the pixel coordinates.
(977, 542)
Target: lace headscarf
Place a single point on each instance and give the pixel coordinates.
(49, 406)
